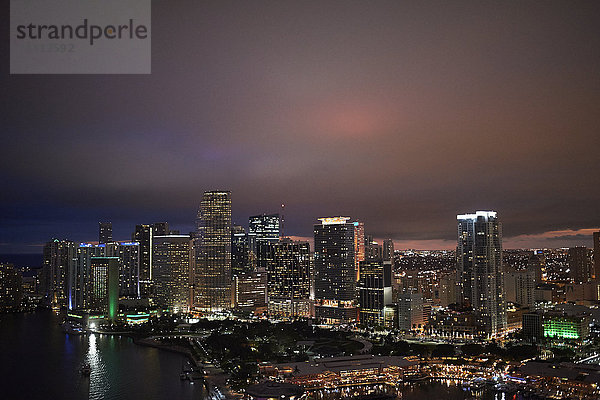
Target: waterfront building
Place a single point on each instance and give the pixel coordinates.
(374, 291)
(129, 266)
(104, 293)
(171, 265)
(143, 235)
(335, 270)
(57, 259)
(411, 312)
(288, 272)
(105, 232)
(213, 253)
(11, 288)
(479, 269)
(250, 290)
(580, 265)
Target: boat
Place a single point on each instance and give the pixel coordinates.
(85, 370)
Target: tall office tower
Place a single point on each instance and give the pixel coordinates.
(105, 232)
(373, 250)
(535, 264)
(411, 312)
(263, 230)
(359, 245)
(80, 275)
(129, 266)
(104, 294)
(171, 276)
(250, 291)
(388, 251)
(213, 253)
(143, 236)
(597, 255)
(374, 291)
(240, 251)
(479, 269)
(57, 259)
(11, 288)
(288, 275)
(335, 270)
(579, 264)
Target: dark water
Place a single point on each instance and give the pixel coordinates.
(39, 361)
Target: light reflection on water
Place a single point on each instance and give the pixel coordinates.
(99, 383)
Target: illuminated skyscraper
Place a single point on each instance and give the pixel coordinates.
(11, 288)
(171, 276)
(105, 232)
(129, 266)
(57, 260)
(240, 251)
(288, 273)
(388, 251)
(335, 270)
(580, 265)
(104, 294)
(479, 269)
(597, 255)
(359, 245)
(143, 235)
(213, 252)
(374, 291)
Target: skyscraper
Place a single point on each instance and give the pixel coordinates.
(171, 265)
(335, 270)
(359, 245)
(105, 232)
(288, 275)
(143, 235)
(479, 269)
(57, 259)
(240, 251)
(579, 264)
(374, 291)
(104, 294)
(388, 251)
(597, 255)
(213, 267)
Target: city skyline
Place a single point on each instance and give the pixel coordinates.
(402, 115)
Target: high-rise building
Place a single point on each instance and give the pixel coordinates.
(479, 269)
(11, 288)
(535, 264)
(388, 251)
(288, 272)
(104, 293)
(105, 232)
(213, 253)
(596, 238)
(335, 270)
(57, 259)
(250, 290)
(411, 312)
(520, 287)
(240, 251)
(171, 266)
(359, 246)
(374, 291)
(579, 264)
(373, 250)
(447, 289)
(143, 236)
(263, 230)
(129, 266)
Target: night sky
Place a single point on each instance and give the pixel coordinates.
(400, 114)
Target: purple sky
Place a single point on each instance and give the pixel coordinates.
(400, 114)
